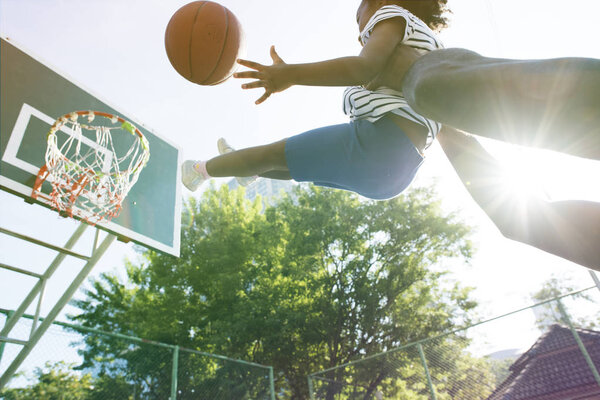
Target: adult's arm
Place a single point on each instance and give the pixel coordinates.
(568, 229)
(397, 66)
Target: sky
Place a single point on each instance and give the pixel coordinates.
(115, 48)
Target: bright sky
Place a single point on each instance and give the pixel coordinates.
(115, 48)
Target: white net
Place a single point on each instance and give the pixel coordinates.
(89, 177)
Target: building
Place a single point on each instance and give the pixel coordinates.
(554, 368)
(268, 189)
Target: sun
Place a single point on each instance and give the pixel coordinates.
(523, 177)
(528, 173)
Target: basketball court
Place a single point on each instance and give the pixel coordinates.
(123, 46)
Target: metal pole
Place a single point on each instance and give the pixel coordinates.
(272, 383)
(174, 370)
(2, 343)
(108, 240)
(595, 278)
(38, 308)
(12, 320)
(311, 388)
(429, 383)
(20, 271)
(586, 355)
(44, 244)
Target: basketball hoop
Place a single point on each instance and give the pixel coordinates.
(89, 179)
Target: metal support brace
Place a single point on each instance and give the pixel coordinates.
(64, 299)
(427, 375)
(20, 271)
(271, 383)
(584, 351)
(65, 249)
(3, 342)
(5, 339)
(174, 369)
(12, 320)
(311, 388)
(39, 306)
(595, 278)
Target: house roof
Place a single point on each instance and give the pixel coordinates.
(553, 367)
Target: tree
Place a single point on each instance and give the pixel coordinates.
(317, 280)
(59, 381)
(501, 368)
(54, 382)
(549, 313)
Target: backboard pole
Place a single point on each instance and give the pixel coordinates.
(12, 320)
(67, 295)
(3, 343)
(43, 244)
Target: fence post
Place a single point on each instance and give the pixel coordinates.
(429, 383)
(174, 373)
(272, 383)
(311, 391)
(586, 355)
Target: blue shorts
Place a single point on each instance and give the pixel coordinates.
(374, 159)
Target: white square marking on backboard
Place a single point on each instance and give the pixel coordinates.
(18, 132)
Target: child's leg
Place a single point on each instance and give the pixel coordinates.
(259, 160)
(280, 175)
(551, 104)
(268, 161)
(376, 160)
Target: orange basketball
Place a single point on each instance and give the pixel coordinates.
(203, 40)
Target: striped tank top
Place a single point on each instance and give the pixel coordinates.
(360, 103)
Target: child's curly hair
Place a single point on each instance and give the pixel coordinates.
(432, 12)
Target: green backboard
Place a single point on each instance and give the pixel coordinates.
(33, 95)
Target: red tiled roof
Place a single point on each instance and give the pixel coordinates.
(553, 368)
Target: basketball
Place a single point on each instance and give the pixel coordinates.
(203, 41)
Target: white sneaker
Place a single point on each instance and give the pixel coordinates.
(224, 148)
(191, 178)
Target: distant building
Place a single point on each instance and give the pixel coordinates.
(554, 369)
(268, 189)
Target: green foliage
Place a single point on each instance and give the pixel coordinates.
(59, 382)
(549, 313)
(54, 382)
(315, 281)
(501, 368)
(455, 374)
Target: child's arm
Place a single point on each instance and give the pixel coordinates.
(569, 229)
(345, 71)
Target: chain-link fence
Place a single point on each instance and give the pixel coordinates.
(124, 367)
(549, 350)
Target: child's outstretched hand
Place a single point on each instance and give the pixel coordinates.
(274, 78)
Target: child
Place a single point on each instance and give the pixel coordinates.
(377, 153)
